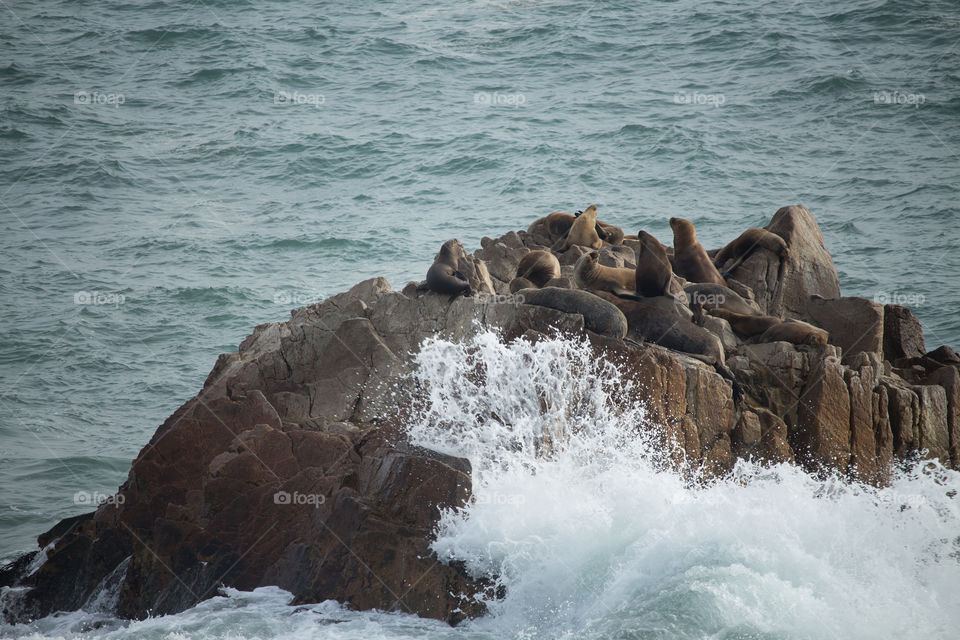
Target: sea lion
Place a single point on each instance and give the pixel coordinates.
(796, 332)
(653, 273)
(521, 283)
(716, 296)
(599, 315)
(582, 232)
(538, 267)
(690, 259)
(652, 320)
(589, 274)
(746, 242)
(609, 233)
(558, 223)
(746, 325)
(443, 275)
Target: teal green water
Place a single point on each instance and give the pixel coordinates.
(218, 163)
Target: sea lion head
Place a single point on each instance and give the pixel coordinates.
(584, 271)
(590, 211)
(647, 241)
(684, 232)
(449, 253)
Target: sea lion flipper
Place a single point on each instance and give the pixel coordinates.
(467, 292)
(726, 374)
(623, 293)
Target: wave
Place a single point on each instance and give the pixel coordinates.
(591, 535)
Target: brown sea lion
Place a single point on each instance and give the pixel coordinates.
(653, 273)
(796, 332)
(539, 267)
(660, 320)
(690, 259)
(589, 274)
(744, 245)
(652, 320)
(599, 315)
(609, 233)
(746, 325)
(582, 232)
(521, 283)
(559, 222)
(443, 275)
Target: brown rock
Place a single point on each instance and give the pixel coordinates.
(904, 415)
(822, 436)
(863, 441)
(902, 333)
(710, 402)
(949, 379)
(854, 324)
(773, 441)
(932, 424)
(783, 287)
(882, 433)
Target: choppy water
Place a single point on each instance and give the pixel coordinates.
(217, 163)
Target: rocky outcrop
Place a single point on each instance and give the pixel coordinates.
(291, 466)
(783, 286)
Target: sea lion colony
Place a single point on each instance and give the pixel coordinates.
(667, 299)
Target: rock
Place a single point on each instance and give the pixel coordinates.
(822, 435)
(761, 435)
(854, 324)
(904, 414)
(618, 256)
(944, 355)
(949, 379)
(721, 328)
(476, 272)
(569, 257)
(783, 287)
(882, 433)
(718, 458)
(863, 440)
(773, 375)
(502, 258)
(746, 435)
(290, 466)
(773, 441)
(902, 333)
(932, 423)
(710, 402)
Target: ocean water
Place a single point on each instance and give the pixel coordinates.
(175, 173)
